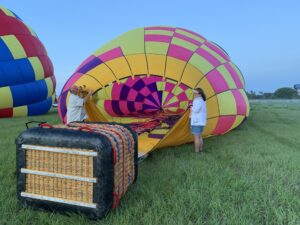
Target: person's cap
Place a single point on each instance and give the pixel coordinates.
(195, 91)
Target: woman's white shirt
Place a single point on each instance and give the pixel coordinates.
(76, 111)
(198, 112)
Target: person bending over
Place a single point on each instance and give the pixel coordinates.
(198, 118)
(77, 99)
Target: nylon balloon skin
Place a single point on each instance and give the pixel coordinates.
(152, 70)
(27, 82)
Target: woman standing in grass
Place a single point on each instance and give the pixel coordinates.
(198, 118)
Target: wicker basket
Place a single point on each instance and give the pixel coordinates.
(85, 167)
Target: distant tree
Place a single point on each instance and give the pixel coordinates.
(286, 93)
(297, 86)
(251, 95)
(268, 95)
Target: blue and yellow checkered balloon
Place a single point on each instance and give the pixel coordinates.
(27, 82)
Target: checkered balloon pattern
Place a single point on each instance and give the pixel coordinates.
(145, 95)
(27, 82)
(153, 70)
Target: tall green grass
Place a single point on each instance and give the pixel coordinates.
(248, 176)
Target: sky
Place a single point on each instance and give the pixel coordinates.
(261, 37)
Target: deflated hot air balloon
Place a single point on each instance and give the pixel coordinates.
(145, 78)
(27, 83)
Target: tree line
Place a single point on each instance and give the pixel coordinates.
(281, 93)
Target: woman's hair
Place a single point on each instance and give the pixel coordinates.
(74, 89)
(78, 90)
(201, 92)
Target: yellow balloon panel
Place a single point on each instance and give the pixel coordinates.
(101, 94)
(50, 86)
(6, 98)
(37, 67)
(191, 76)
(120, 67)
(103, 74)
(174, 68)
(14, 46)
(227, 105)
(212, 107)
(138, 64)
(206, 86)
(227, 76)
(89, 82)
(201, 63)
(20, 111)
(156, 48)
(210, 126)
(156, 64)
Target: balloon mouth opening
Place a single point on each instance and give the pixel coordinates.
(142, 96)
(150, 104)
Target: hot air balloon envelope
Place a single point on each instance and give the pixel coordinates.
(145, 78)
(27, 83)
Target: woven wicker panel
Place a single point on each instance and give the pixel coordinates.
(123, 144)
(59, 188)
(62, 163)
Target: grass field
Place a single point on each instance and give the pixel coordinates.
(248, 176)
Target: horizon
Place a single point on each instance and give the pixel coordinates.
(260, 37)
